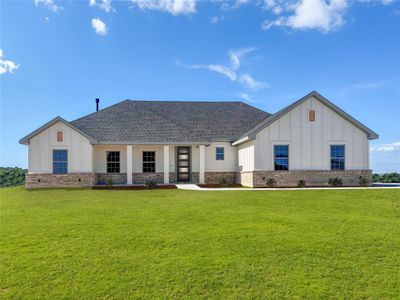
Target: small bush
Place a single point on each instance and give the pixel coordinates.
(363, 181)
(301, 183)
(335, 181)
(10, 176)
(270, 182)
(110, 182)
(150, 184)
(223, 181)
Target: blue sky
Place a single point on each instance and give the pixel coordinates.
(58, 56)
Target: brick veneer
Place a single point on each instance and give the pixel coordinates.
(43, 180)
(312, 177)
(214, 177)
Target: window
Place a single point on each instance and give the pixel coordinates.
(337, 157)
(60, 161)
(149, 162)
(113, 161)
(311, 115)
(281, 157)
(59, 136)
(219, 153)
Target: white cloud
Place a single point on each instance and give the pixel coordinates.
(322, 15)
(235, 56)
(246, 97)
(7, 65)
(174, 7)
(102, 4)
(386, 147)
(49, 4)
(99, 26)
(231, 72)
(248, 81)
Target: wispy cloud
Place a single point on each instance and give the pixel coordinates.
(247, 98)
(99, 26)
(231, 71)
(378, 84)
(174, 7)
(50, 4)
(102, 4)
(248, 81)
(386, 147)
(7, 66)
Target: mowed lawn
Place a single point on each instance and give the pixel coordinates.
(91, 244)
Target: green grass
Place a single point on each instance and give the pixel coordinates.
(184, 244)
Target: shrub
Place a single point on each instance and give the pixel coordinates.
(335, 181)
(110, 182)
(301, 183)
(150, 184)
(363, 181)
(386, 178)
(223, 181)
(10, 176)
(270, 182)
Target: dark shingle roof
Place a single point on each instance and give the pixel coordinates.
(170, 121)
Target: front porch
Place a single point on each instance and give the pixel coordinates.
(137, 164)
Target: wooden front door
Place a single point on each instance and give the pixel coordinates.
(183, 165)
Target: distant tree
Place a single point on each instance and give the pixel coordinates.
(386, 178)
(12, 176)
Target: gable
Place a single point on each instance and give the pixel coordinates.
(335, 114)
(51, 128)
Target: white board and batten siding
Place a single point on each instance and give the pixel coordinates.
(41, 148)
(309, 142)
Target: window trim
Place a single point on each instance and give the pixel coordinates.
(155, 160)
(53, 161)
(344, 156)
(273, 155)
(108, 151)
(216, 153)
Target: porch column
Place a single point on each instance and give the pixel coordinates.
(166, 164)
(129, 164)
(202, 164)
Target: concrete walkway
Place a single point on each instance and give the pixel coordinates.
(194, 187)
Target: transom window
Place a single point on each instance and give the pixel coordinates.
(60, 161)
(281, 157)
(219, 153)
(113, 162)
(149, 162)
(337, 157)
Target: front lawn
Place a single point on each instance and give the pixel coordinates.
(91, 244)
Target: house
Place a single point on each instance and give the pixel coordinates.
(201, 142)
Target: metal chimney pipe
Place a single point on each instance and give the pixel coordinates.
(97, 104)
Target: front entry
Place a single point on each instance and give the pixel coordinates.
(183, 164)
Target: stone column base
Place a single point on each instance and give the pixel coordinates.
(45, 180)
(311, 177)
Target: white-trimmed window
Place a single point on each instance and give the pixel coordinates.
(149, 162)
(219, 153)
(281, 157)
(60, 161)
(113, 162)
(337, 157)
